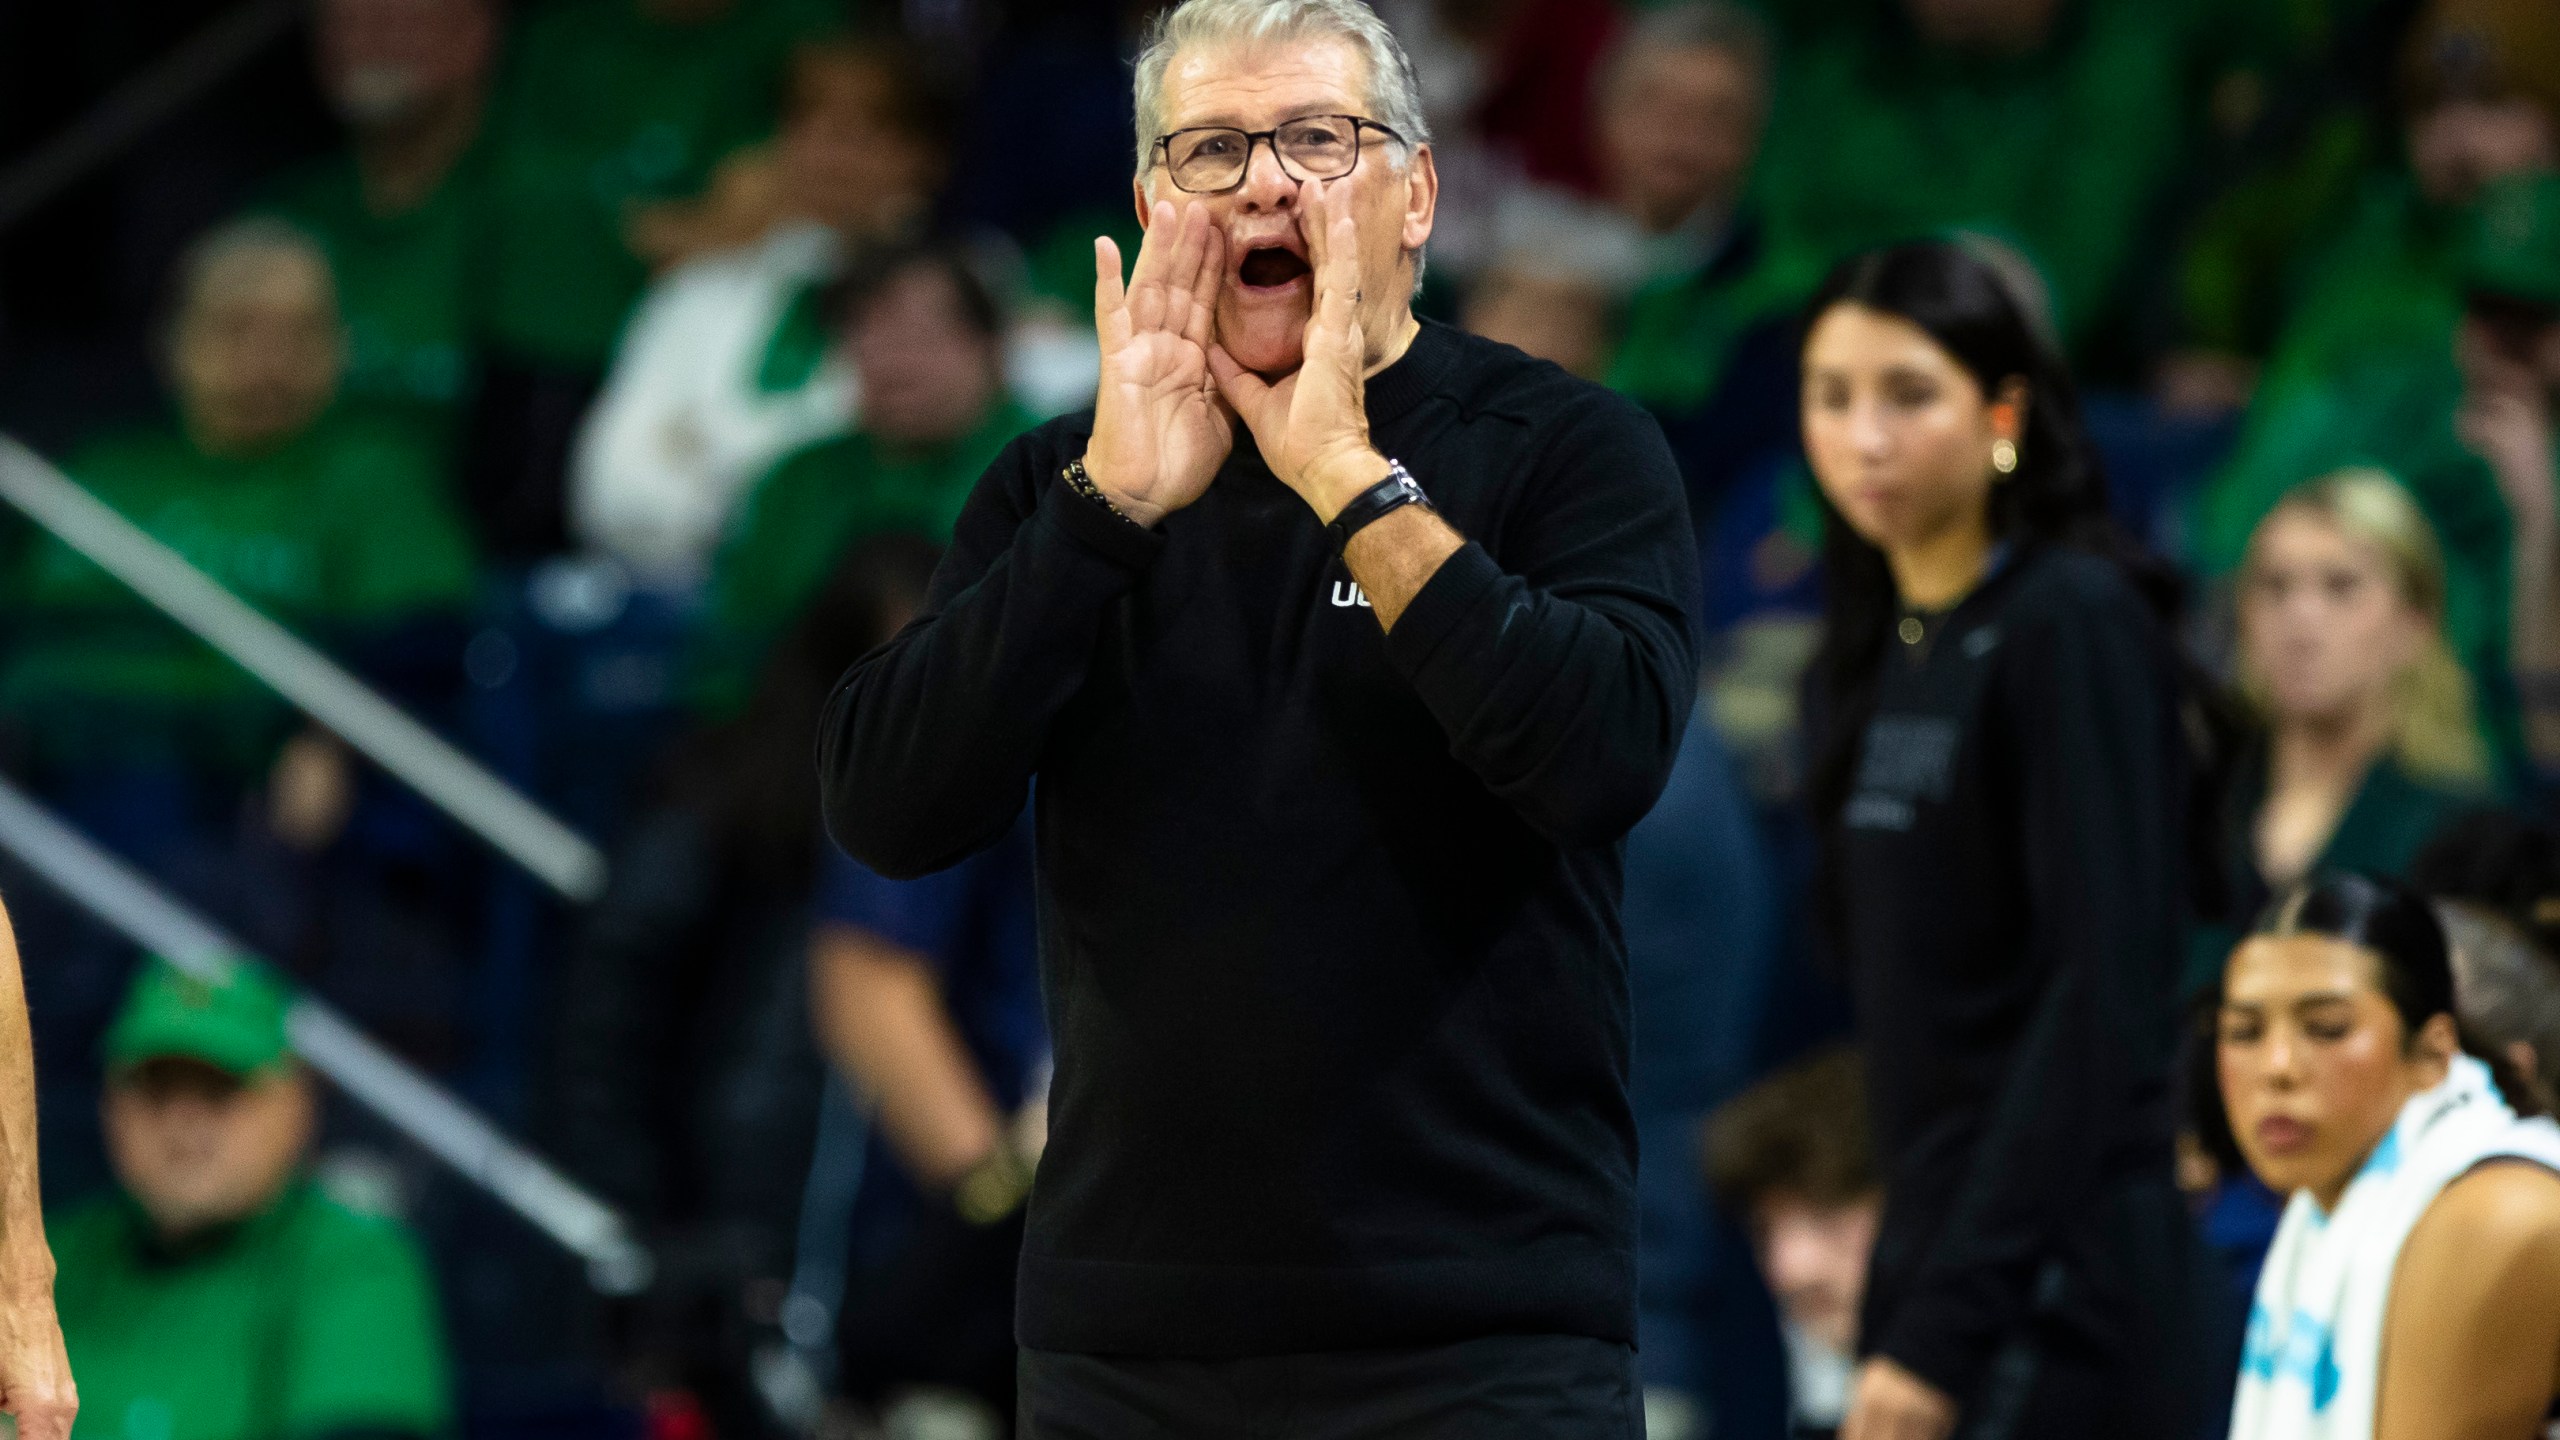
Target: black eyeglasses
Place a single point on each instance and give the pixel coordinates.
(1212, 159)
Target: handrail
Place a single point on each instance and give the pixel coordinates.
(130, 110)
(617, 1264)
(454, 782)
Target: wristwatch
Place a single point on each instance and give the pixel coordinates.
(1393, 493)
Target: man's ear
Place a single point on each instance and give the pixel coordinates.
(1138, 197)
(1421, 198)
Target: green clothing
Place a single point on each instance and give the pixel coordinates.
(2393, 816)
(797, 523)
(236, 1025)
(604, 111)
(2390, 283)
(2395, 414)
(341, 532)
(1875, 138)
(1680, 331)
(306, 1319)
(404, 285)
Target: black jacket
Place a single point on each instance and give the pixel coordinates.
(1329, 932)
(2013, 888)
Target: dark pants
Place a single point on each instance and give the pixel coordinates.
(1501, 1387)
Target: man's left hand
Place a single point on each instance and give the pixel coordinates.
(35, 1374)
(1891, 1403)
(1313, 425)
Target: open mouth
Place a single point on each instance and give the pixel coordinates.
(1270, 267)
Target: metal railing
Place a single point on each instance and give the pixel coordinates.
(454, 782)
(425, 1112)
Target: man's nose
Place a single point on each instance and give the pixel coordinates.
(1266, 185)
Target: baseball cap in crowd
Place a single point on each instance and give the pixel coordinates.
(236, 1026)
(2513, 252)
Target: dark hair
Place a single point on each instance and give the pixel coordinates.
(2400, 929)
(2505, 861)
(871, 275)
(2056, 496)
(921, 96)
(750, 775)
(1802, 1131)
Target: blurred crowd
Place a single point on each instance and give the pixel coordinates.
(615, 378)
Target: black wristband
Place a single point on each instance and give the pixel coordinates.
(1393, 493)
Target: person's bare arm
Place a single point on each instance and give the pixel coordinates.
(881, 1019)
(2471, 1343)
(35, 1374)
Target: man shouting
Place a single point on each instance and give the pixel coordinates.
(1343, 650)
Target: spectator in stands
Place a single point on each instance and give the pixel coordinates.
(398, 210)
(924, 332)
(1703, 928)
(2495, 878)
(609, 112)
(328, 522)
(729, 363)
(2413, 1288)
(1790, 1157)
(2369, 741)
(221, 1295)
(1552, 286)
(687, 1078)
(2051, 124)
(1991, 641)
(2506, 993)
(2479, 85)
(926, 996)
(1682, 102)
(2465, 426)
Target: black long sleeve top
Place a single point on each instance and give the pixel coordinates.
(2013, 894)
(1329, 916)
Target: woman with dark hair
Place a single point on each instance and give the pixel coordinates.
(2413, 1289)
(2000, 781)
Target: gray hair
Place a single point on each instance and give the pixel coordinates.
(216, 255)
(1395, 97)
(2504, 988)
(1718, 25)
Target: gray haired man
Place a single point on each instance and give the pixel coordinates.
(1344, 650)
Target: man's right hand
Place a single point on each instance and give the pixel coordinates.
(1160, 429)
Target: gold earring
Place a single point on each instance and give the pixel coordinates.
(2004, 456)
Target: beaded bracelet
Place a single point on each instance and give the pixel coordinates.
(1082, 483)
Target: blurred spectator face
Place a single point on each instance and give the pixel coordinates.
(927, 374)
(2313, 1060)
(382, 61)
(1678, 131)
(2006, 27)
(1815, 1260)
(257, 349)
(2325, 628)
(1898, 432)
(847, 159)
(1559, 319)
(1263, 305)
(197, 1147)
(2461, 145)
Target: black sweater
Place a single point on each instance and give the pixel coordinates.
(1329, 917)
(2012, 887)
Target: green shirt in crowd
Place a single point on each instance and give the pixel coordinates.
(2389, 284)
(404, 285)
(306, 1319)
(2392, 817)
(2394, 413)
(799, 520)
(2062, 153)
(338, 533)
(603, 111)
(1680, 331)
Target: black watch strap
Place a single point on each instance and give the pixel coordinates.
(1393, 493)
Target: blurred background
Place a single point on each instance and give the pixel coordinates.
(594, 379)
